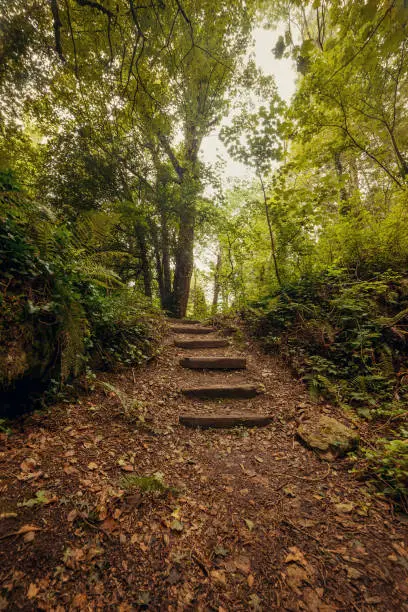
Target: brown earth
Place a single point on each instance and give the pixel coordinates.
(251, 520)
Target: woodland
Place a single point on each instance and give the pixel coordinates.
(112, 226)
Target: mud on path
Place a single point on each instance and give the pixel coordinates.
(252, 520)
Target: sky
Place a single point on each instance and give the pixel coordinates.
(285, 75)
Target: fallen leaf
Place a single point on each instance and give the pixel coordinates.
(255, 602)
(144, 598)
(79, 601)
(220, 551)
(174, 576)
(296, 556)
(345, 508)
(176, 526)
(353, 573)
(72, 516)
(28, 465)
(26, 529)
(33, 591)
(296, 576)
(240, 563)
(109, 524)
(92, 466)
(29, 537)
(218, 576)
(250, 524)
(69, 470)
(127, 467)
(250, 580)
(6, 515)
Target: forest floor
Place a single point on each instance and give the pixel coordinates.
(252, 520)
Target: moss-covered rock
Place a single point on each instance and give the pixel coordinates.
(327, 436)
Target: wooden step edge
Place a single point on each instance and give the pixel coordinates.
(179, 329)
(211, 391)
(213, 363)
(225, 420)
(201, 344)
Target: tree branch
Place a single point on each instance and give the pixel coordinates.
(57, 25)
(96, 6)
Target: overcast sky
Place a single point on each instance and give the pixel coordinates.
(285, 75)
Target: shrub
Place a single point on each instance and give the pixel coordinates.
(388, 466)
(347, 339)
(59, 309)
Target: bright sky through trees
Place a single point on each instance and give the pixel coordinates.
(284, 72)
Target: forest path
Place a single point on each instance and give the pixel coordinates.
(252, 521)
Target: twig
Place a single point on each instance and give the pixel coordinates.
(200, 563)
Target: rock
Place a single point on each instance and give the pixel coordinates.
(327, 436)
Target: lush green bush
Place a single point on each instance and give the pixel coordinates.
(58, 309)
(347, 339)
(388, 466)
(124, 328)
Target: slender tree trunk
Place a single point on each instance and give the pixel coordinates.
(344, 208)
(147, 275)
(165, 249)
(217, 285)
(158, 262)
(271, 234)
(184, 262)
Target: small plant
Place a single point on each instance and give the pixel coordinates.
(4, 428)
(42, 498)
(146, 484)
(132, 410)
(388, 466)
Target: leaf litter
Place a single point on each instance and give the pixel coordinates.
(98, 512)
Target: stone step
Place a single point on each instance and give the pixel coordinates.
(225, 420)
(189, 321)
(236, 391)
(213, 363)
(204, 343)
(195, 329)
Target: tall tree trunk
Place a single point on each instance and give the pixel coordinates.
(147, 275)
(158, 262)
(165, 249)
(184, 262)
(217, 285)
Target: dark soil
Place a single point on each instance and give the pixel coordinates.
(251, 520)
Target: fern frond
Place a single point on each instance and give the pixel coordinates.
(98, 273)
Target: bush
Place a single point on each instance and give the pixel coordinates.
(58, 309)
(125, 329)
(347, 339)
(388, 466)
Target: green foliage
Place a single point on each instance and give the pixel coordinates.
(124, 327)
(132, 411)
(336, 333)
(58, 311)
(388, 466)
(41, 498)
(145, 484)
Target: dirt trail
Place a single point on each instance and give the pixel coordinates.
(253, 520)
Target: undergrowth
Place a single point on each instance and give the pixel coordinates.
(60, 310)
(348, 341)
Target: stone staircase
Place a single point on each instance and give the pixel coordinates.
(204, 363)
